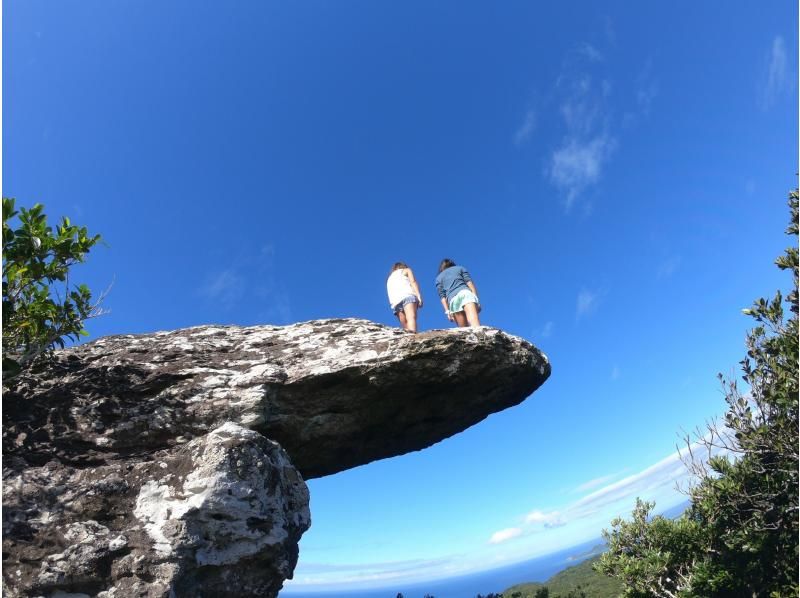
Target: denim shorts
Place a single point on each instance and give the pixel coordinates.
(406, 300)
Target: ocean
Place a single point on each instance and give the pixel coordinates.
(486, 582)
(468, 586)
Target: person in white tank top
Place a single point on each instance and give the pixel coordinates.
(404, 296)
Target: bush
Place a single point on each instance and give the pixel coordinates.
(41, 310)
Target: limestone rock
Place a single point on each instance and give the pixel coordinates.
(151, 465)
(334, 393)
(218, 516)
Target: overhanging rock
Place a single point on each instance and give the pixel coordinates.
(334, 393)
(154, 465)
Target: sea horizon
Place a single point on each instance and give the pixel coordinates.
(537, 569)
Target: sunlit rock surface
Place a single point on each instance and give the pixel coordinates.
(334, 393)
(172, 463)
(218, 516)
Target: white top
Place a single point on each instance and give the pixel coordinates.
(398, 286)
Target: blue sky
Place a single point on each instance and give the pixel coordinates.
(614, 177)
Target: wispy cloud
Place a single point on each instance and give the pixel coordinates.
(586, 304)
(251, 276)
(615, 373)
(365, 574)
(778, 79)
(527, 127)
(583, 94)
(668, 267)
(504, 535)
(547, 330)
(578, 163)
(609, 30)
(387, 567)
(667, 472)
(549, 520)
(269, 291)
(645, 92)
(589, 51)
(595, 483)
(611, 499)
(225, 287)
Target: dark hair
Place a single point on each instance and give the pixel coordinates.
(446, 263)
(397, 266)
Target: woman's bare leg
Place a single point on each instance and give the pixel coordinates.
(471, 310)
(410, 311)
(461, 319)
(402, 317)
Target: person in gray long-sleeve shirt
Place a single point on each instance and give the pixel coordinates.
(458, 294)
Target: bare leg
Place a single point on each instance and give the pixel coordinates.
(471, 309)
(402, 317)
(461, 319)
(410, 310)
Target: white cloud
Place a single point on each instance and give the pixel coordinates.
(250, 277)
(549, 520)
(595, 483)
(666, 472)
(580, 110)
(779, 79)
(225, 287)
(526, 129)
(578, 163)
(366, 575)
(615, 373)
(659, 481)
(504, 535)
(547, 331)
(587, 303)
(644, 95)
(590, 52)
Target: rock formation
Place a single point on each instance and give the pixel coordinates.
(164, 464)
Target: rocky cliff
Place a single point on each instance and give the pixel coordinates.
(172, 464)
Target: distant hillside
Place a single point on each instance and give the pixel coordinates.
(580, 579)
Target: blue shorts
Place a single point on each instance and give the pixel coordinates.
(396, 309)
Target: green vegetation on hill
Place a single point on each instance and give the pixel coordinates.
(578, 581)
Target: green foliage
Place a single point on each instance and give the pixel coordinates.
(649, 555)
(573, 582)
(40, 308)
(740, 535)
